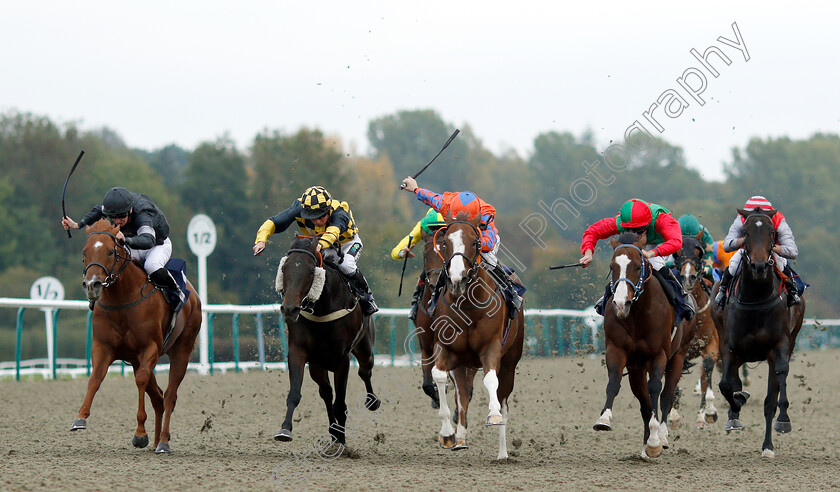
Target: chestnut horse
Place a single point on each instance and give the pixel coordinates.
(472, 330)
(757, 325)
(129, 320)
(326, 325)
(638, 331)
(689, 262)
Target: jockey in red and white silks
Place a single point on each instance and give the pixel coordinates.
(785, 243)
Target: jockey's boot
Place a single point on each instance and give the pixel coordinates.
(503, 278)
(792, 291)
(724, 286)
(173, 294)
(601, 303)
(417, 297)
(672, 287)
(360, 285)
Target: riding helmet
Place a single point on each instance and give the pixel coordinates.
(316, 201)
(635, 213)
(117, 202)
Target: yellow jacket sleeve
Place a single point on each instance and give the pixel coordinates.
(330, 235)
(410, 240)
(266, 230)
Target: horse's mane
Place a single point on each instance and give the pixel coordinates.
(301, 242)
(462, 216)
(628, 237)
(103, 225)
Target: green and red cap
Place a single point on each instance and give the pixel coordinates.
(634, 214)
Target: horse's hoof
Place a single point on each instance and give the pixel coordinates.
(674, 424)
(140, 442)
(460, 443)
(78, 424)
(494, 420)
(741, 397)
(284, 435)
(372, 402)
(446, 442)
(768, 453)
(602, 426)
(734, 425)
(653, 452)
(711, 418)
(782, 427)
(163, 448)
(435, 404)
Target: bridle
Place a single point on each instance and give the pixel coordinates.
(110, 275)
(432, 271)
(770, 259)
(472, 263)
(307, 304)
(644, 275)
(691, 259)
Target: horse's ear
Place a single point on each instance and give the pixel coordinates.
(743, 212)
(448, 216)
(476, 221)
(699, 235)
(642, 240)
(614, 242)
(770, 213)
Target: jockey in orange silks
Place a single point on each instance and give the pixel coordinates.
(466, 201)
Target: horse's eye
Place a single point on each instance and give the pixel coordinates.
(110, 253)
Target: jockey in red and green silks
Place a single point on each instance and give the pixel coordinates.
(664, 238)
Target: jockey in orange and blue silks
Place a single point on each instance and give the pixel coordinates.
(466, 201)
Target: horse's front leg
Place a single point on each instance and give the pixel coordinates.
(446, 439)
(669, 390)
(730, 388)
(636, 375)
(462, 377)
(101, 359)
(654, 444)
(771, 401)
(142, 375)
(156, 397)
(339, 407)
(297, 361)
(708, 412)
(616, 361)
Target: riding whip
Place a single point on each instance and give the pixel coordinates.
(63, 193)
(405, 262)
(558, 267)
(451, 138)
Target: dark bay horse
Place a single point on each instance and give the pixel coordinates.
(473, 331)
(638, 331)
(432, 266)
(129, 320)
(757, 325)
(689, 262)
(326, 325)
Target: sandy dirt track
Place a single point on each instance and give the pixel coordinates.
(223, 431)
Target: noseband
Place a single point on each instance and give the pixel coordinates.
(473, 263)
(770, 259)
(639, 286)
(110, 276)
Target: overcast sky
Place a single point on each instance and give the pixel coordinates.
(161, 72)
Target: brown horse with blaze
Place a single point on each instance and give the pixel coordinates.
(130, 318)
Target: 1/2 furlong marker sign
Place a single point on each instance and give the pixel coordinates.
(201, 236)
(48, 289)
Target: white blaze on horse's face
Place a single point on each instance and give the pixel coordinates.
(457, 267)
(97, 244)
(622, 293)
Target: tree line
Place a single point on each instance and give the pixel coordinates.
(549, 191)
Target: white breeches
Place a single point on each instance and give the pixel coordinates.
(351, 250)
(154, 258)
(781, 261)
